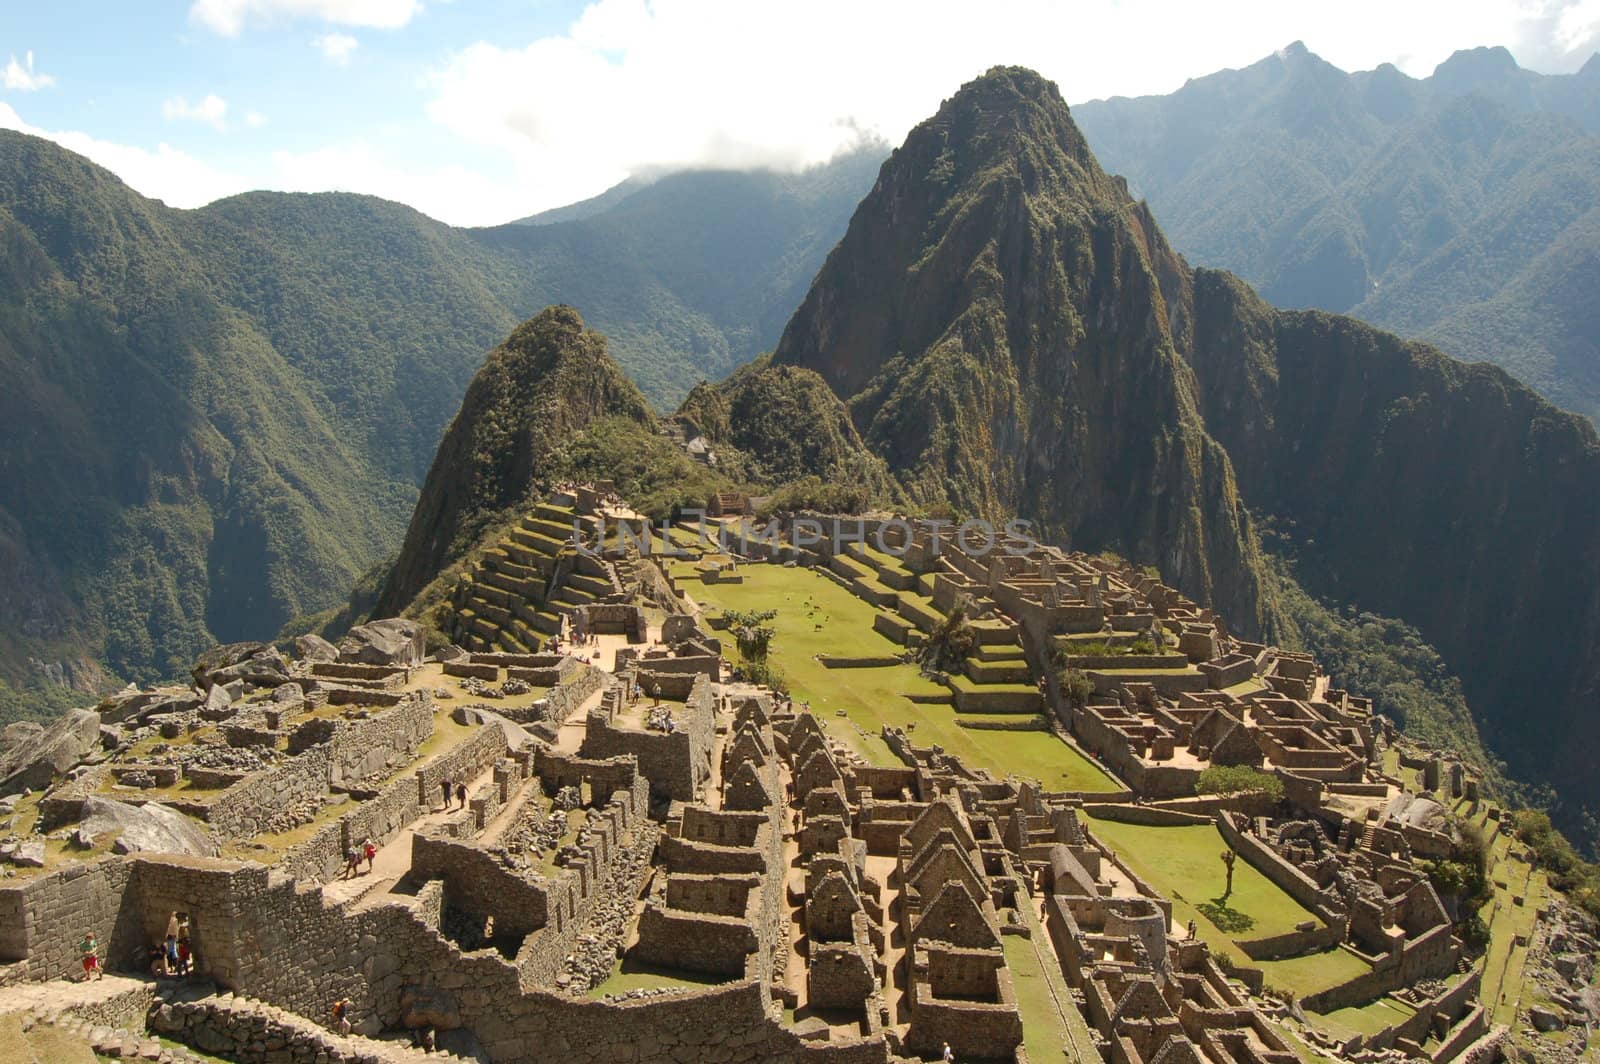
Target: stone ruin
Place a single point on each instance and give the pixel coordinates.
(632, 814)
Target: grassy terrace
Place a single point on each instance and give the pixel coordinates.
(817, 616)
(1043, 1033)
(1184, 863)
(1365, 1019)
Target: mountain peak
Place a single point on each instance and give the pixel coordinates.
(1591, 69)
(1476, 65)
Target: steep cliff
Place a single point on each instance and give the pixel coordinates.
(1444, 493)
(1006, 325)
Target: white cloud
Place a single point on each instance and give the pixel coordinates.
(229, 17)
(739, 83)
(254, 119)
(211, 110)
(22, 77)
(647, 85)
(456, 194)
(335, 47)
(1578, 26)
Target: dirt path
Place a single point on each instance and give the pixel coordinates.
(393, 859)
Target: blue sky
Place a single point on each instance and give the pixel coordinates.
(479, 111)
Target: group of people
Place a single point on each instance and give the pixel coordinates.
(367, 851)
(447, 788)
(172, 956)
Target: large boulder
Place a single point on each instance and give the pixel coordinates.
(315, 648)
(148, 828)
(393, 641)
(142, 705)
(39, 757)
(18, 733)
(221, 657)
(29, 854)
(264, 668)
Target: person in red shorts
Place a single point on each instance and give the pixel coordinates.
(90, 948)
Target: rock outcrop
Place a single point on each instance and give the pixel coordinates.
(1006, 325)
(392, 641)
(33, 758)
(147, 828)
(551, 378)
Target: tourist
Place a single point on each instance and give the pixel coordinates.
(949, 1054)
(341, 1015)
(183, 955)
(352, 862)
(1191, 931)
(461, 794)
(90, 948)
(169, 953)
(445, 786)
(370, 852)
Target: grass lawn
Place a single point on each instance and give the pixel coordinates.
(1366, 1019)
(1311, 972)
(1184, 863)
(1044, 1036)
(873, 697)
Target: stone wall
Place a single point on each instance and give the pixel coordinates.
(1454, 1003)
(1264, 859)
(562, 699)
(1430, 955)
(362, 749)
(477, 883)
(252, 1034)
(244, 809)
(466, 762)
(265, 936)
(43, 920)
(676, 764)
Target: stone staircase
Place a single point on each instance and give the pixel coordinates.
(69, 1022)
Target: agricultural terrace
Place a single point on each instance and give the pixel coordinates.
(815, 617)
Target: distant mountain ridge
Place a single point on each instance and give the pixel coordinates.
(215, 419)
(1458, 208)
